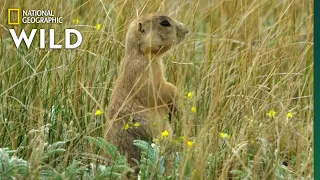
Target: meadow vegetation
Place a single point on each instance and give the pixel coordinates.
(245, 73)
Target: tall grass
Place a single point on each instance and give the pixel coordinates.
(247, 63)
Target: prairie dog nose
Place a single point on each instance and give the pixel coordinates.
(182, 29)
(186, 29)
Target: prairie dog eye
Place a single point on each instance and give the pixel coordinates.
(165, 23)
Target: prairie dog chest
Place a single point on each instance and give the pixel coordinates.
(157, 72)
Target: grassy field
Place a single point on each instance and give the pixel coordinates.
(245, 73)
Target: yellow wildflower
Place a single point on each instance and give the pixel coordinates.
(289, 115)
(193, 109)
(271, 113)
(189, 95)
(126, 126)
(165, 134)
(224, 135)
(76, 21)
(98, 27)
(136, 124)
(189, 143)
(98, 112)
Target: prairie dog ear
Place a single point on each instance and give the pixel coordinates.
(140, 28)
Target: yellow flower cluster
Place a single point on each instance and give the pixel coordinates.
(98, 112)
(193, 109)
(136, 124)
(126, 126)
(131, 124)
(224, 135)
(98, 27)
(190, 144)
(165, 134)
(271, 113)
(189, 96)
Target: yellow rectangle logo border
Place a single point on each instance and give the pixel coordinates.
(9, 20)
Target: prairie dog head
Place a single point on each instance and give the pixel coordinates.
(155, 34)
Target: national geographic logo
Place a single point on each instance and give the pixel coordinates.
(32, 17)
(15, 17)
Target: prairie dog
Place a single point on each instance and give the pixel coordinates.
(141, 95)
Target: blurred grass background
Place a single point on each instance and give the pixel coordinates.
(248, 65)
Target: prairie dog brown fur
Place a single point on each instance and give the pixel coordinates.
(141, 95)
